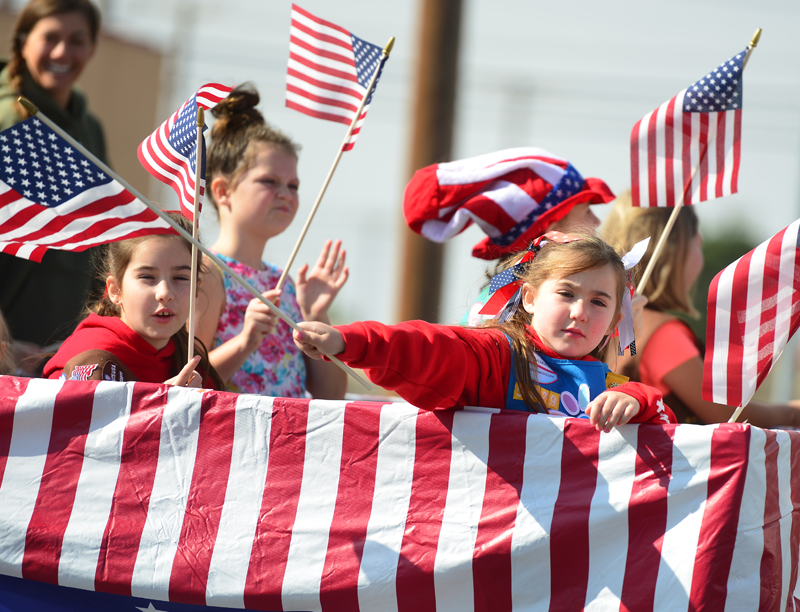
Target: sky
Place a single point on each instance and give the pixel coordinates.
(569, 77)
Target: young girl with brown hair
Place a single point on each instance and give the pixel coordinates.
(252, 182)
(547, 357)
(137, 330)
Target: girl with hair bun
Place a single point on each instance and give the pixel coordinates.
(252, 182)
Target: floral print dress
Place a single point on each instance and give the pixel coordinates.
(276, 367)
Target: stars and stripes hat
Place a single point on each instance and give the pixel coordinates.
(514, 195)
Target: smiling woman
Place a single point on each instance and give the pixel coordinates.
(52, 42)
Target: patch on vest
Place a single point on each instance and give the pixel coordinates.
(615, 380)
(112, 372)
(82, 372)
(545, 375)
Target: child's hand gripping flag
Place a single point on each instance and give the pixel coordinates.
(170, 153)
(53, 197)
(329, 71)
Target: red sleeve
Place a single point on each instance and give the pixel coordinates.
(431, 366)
(652, 406)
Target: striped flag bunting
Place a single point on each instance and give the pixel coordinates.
(53, 197)
(170, 153)
(329, 71)
(752, 313)
(167, 498)
(690, 145)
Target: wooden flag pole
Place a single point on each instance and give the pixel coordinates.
(31, 108)
(385, 54)
(198, 164)
(662, 241)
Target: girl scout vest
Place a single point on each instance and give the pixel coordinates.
(566, 385)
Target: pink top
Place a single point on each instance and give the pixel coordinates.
(670, 346)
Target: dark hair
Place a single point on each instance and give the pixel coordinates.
(237, 128)
(115, 260)
(556, 260)
(30, 16)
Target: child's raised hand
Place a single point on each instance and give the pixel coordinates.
(611, 408)
(187, 377)
(318, 339)
(259, 320)
(317, 289)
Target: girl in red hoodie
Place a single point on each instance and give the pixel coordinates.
(137, 330)
(543, 354)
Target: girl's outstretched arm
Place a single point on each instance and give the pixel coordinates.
(317, 288)
(324, 380)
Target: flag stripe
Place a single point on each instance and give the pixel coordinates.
(415, 582)
(616, 470)
(134, 487)
(189, 574)
(357, 471)
(241, 511)
(647, 517)
(794, 458)
(377, 586)
(72, 416)
(721, 517)
(9, 387)
(492, 568)
(279, 502)
(569, 534)
(33, 417)
(83, 537)
(315, 507)
(453, 579)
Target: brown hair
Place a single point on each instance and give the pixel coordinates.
(239, 126)
(8, 361)
(30, 16)
(626, 225)
(556, 260)
(114, 262)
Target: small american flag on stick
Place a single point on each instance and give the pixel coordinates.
(688, 149)
(53, 197)
(170, 153)
(753, 311)
(330, 70)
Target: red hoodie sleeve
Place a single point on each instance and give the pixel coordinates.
(431, 366)
(652, 406)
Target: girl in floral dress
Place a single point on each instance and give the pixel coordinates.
(252, 181)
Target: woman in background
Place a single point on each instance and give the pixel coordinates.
(52, 42)
(669, 356)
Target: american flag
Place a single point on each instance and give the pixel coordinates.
(164, 494)
(329, 70)
(170, 153)
(690, 145)
(753, 311)
(53, 197)
(511, 194)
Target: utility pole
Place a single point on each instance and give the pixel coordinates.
(431, 142)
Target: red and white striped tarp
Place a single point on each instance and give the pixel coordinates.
(211, 498)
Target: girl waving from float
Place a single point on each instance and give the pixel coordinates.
(137, 330)
(544, 353)
(253, 184)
